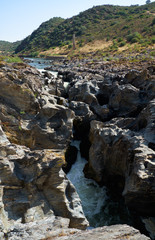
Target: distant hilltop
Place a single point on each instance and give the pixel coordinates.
(119, 24)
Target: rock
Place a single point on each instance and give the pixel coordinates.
(137, 78)
(30, 115)
(70, 157)
(145, 123)
(123, 161)
(105, 233)
(84, 91)
(125, 99)
(150, 226)
(41, 229)
(90, 93)
(36, 199)
(33, 186)
(34, 133)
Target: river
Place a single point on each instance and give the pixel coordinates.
(99, 209)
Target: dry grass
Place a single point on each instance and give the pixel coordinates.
(87, 48)
(56, 51)
(95, 46)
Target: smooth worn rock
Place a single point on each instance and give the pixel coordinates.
(125, 99)
(33, 186)
(34, 133)
(123, 161)
(37, 116)
(41, 229)
(124, 232)
(29, 115)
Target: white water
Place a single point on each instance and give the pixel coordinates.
(40, 64)
(92, 196)
(55, 74)
(98, 208)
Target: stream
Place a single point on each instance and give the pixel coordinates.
(99, 209)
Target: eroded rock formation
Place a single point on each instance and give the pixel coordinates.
(111, 105)
(34, 133)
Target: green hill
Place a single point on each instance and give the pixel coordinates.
(40, 38)
(124, 24)
(8, 47)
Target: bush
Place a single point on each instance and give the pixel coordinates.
(134, 37)
(122, 44)
(153, 21)
(34, 54)
(13, 59)
(70, 46)
(120, 39)
(153, 39)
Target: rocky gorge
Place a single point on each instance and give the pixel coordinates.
(110, 108)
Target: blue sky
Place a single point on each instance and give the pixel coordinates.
(19, 18)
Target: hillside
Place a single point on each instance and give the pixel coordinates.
(122, 24)
(40, 38)
(10, 47)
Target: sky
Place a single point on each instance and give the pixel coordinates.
(19, 18)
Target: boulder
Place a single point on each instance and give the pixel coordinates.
(35, 131)
(29, 114)
(125, 99)
(122, 160)
(34, 186)
(105, 233)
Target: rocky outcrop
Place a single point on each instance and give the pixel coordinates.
(29, 114)
(122, 149)
(116, 110)
(33, 186)
(123, 161)
(56, 228)
(34, 134)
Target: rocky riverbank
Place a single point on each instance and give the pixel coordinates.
(111, 109)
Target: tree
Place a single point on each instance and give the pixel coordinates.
(148, 1)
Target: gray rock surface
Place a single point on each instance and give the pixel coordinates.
(105, 233)
(36, 199)
(122, 159)
(34, 133)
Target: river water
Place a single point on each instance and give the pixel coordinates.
(40, 64)
(99, 209)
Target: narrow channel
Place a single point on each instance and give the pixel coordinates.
(99, 209)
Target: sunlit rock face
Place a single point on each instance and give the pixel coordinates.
(115, 109)
(34, 133)
(122, 149)
(123, 161)
(29, 115)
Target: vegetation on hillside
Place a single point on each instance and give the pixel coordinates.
(120, 24)
(10, 59)
(40, 38)
(8, 47)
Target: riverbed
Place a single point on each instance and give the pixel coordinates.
(98, 207)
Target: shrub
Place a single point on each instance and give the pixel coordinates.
(153, 21)
(134, 37)
(120, 39)
(122, 44)
(153, 39)
(125, 27)
(13, 59)
(70, 46)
